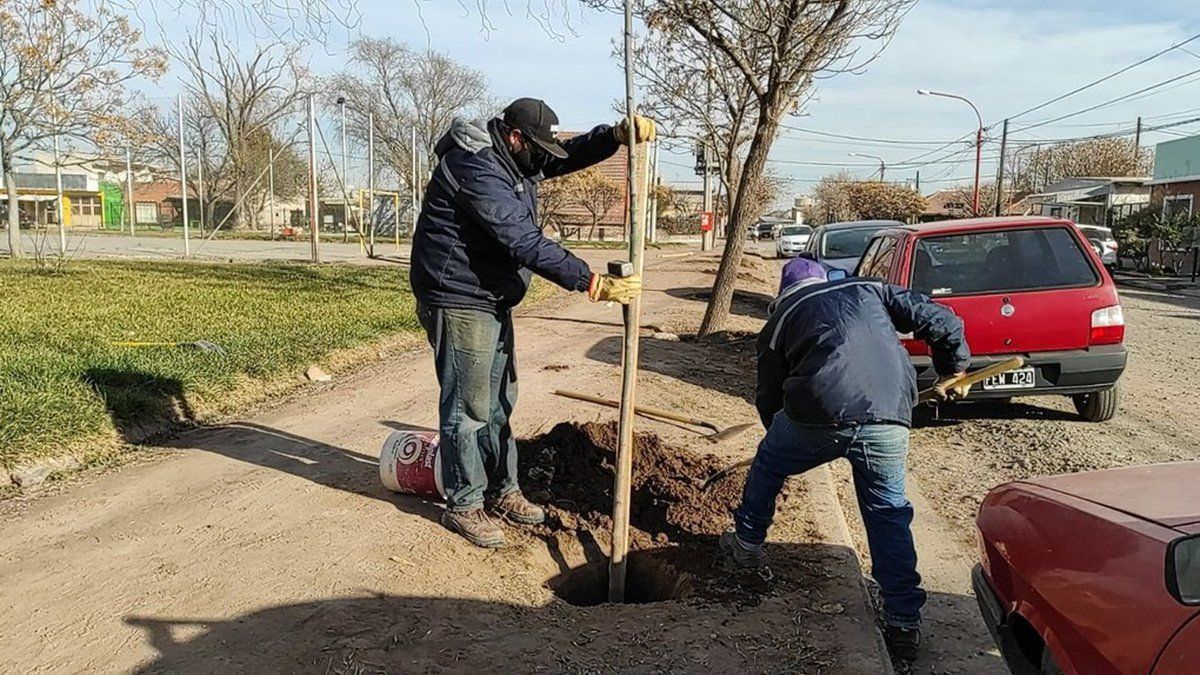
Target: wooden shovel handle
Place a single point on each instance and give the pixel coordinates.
(977, 376)
(639, 409)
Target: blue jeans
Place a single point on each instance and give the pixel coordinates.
(473, 356)
(877, 454)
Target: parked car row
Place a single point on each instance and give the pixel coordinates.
(1095, 572)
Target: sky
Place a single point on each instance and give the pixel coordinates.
(1006, 56)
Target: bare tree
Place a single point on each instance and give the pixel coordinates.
(554, 196)
(1035, 167)
(595, 193)
(777, 48)
(404, 90)
(62, 73)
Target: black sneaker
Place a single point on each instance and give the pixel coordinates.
(742, 556)
(902, 643)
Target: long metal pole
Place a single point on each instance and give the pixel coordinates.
(314, 215)
(345, 181)
(415, 202)
(183, 192)
(655, 181)
(200, 184)
(129, 190)
(371, 183)
(632, 314)
(271, 189)
(1137, 142)
(62, 226)
(978, 160)
(1000, 169)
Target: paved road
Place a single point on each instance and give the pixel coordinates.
(120, 246)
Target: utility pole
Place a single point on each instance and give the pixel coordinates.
(1000, 170)
(183, 192)
(918, 182)
(271, 188)
(655, 182)
(345, 177)
(62, 231)
(371, 182)
(129, 189)
(1137, 142)
(314, 207)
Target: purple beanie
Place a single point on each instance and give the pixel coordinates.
(799, 270)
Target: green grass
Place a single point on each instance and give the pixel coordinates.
(64, 388)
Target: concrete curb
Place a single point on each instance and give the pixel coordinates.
(832, 519)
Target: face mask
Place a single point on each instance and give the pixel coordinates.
(530, 159)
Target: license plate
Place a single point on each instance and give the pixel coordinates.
(1020, 378)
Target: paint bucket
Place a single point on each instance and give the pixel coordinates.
(410, 463)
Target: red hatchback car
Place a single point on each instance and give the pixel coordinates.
(1027, 286)
(1094, 573)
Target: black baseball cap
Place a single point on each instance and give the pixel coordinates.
(537, 122)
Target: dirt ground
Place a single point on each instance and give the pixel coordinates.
(269, 545)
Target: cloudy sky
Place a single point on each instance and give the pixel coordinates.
(1007, 56)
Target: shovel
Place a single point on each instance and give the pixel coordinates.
(201, 345)
(718, 433)
(923, 397)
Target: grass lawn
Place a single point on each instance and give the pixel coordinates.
(64, 388)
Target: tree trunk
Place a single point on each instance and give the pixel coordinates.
(717, 312)
(14, 210)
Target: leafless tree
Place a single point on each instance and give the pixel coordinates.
(1033, 168)
(777, 48)
(404, 89)
(595, 193)
(62, 73)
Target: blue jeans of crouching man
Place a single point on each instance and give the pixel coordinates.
(877, 454)
(473, 356)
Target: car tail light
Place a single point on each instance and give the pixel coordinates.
(1108, 326)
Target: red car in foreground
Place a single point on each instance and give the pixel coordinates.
(1026, 285)
(1094, 573)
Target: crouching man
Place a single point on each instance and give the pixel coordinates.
(833, 382)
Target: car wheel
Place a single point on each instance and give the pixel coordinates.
(1097, 406)
(1049, 666)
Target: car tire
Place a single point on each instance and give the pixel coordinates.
(1098, 406)
(1049, 665)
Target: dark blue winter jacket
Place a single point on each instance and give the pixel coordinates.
(477, 237)
(829, 354)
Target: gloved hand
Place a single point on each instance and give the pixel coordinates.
(607, 288)
(947, 390)
(644, 125)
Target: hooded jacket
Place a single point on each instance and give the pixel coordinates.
(477, 238)
(829, 356)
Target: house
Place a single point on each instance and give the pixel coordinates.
(37, 193)
(613, 223)
(1091, 200)
(1175, 184)
(945, 205)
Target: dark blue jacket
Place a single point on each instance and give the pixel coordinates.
(477, 235)
(829, 354)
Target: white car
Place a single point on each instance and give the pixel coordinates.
(792, 240)
(1101, 239)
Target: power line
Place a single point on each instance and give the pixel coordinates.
(1109, 102)
(888, 141)
(1106, 78)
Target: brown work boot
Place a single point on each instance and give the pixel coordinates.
(515, 507)
(475, 526)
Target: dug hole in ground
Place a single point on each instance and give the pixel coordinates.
(269, 545)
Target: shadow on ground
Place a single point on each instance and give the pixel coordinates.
(745, 303)
(951, 415)
(724, 362)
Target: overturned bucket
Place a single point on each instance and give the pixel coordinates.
(410, 463)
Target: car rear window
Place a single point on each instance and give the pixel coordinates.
(847, 243)
(995, 262)
(793, 230)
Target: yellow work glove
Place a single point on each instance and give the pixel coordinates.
(607, 288)
(644, 125)
(947, 390)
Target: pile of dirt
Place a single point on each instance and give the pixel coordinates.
(674, 521)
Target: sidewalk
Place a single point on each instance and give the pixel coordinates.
(269, 545)
(1181, 285)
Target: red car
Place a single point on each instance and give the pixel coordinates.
(1094, 573)
(1031, 286)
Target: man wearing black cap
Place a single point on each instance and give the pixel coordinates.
(476, 245)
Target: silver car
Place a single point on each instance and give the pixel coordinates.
(792, 240)
(840, 245)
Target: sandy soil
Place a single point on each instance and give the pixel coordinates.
(270, 546)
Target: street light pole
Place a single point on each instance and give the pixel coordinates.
(345, 178)
(882, 166)
(978, 138)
